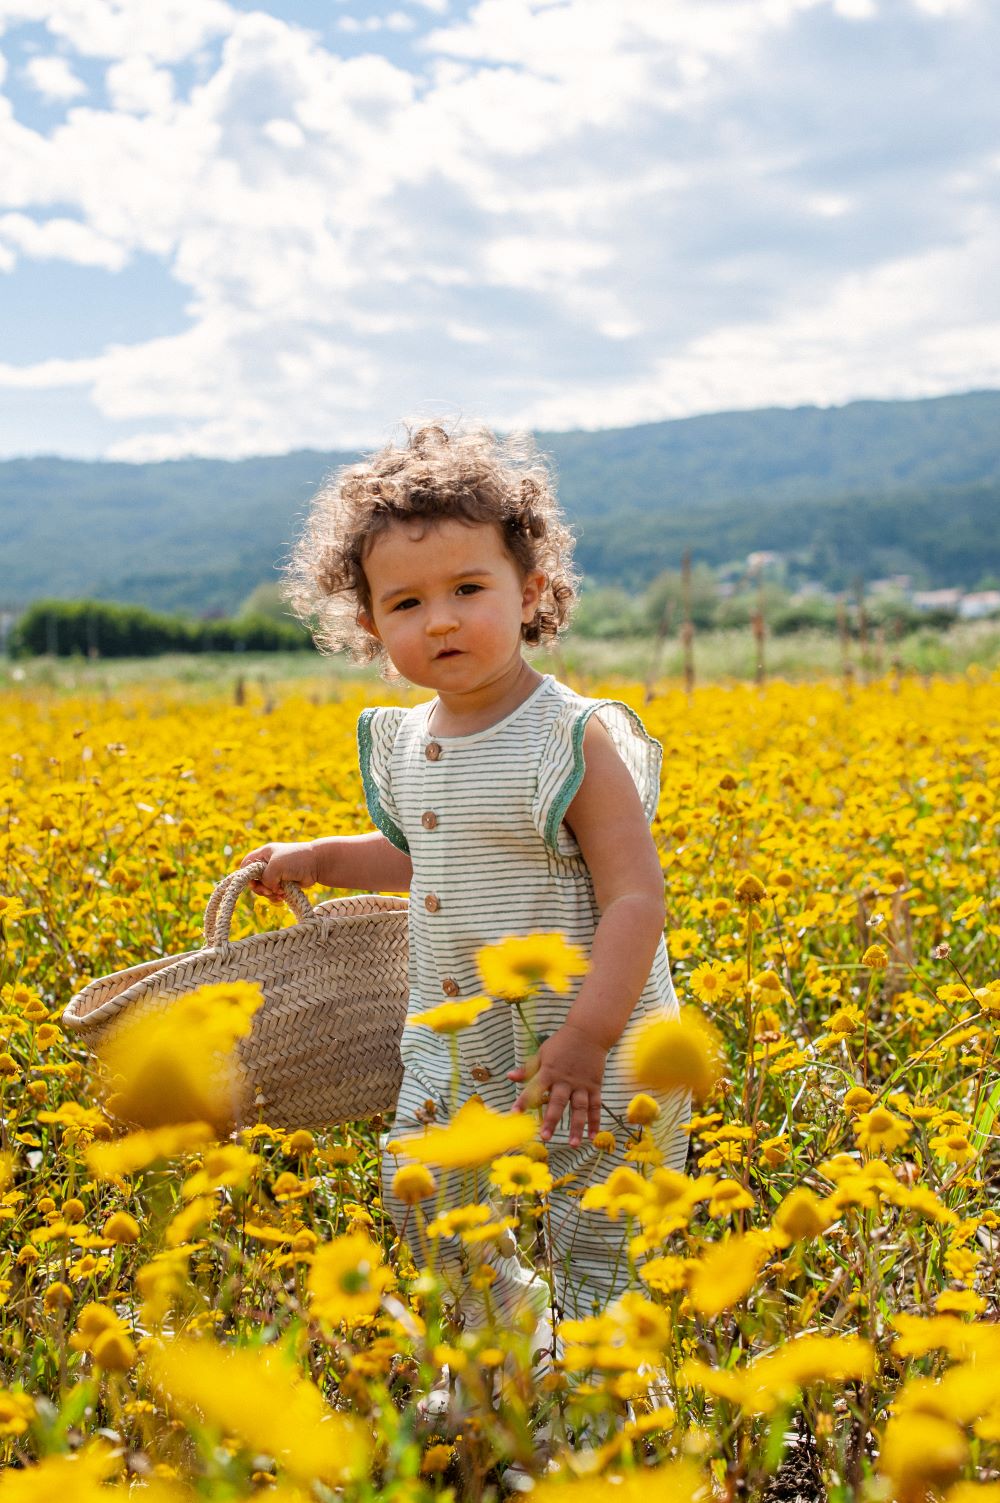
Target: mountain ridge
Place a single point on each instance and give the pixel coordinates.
(199, 534)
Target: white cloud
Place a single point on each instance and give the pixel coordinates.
(135, 86)
(573, 213)
(54, 79)
(396, 20)
(61, 240)
(168, 31)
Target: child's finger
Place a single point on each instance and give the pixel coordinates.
(594, 1116)
(558, 1102)
(579, 1104)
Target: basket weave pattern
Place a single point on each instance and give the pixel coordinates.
(324, 1047)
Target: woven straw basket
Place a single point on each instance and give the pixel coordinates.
(324, 1047)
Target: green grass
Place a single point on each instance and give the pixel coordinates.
(718, 655)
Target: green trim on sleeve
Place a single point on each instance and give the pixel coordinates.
(571, 786)
(380, 818)
(566, 794)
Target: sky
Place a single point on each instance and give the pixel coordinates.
(232, 228)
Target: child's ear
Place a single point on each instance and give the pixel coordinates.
(531, 593)
(367, 623)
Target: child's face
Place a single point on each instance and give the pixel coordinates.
(448, 603)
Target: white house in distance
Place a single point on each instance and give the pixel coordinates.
(979, 603)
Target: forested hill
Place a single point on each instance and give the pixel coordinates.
(872, 487)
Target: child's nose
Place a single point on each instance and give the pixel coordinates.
(441, 620)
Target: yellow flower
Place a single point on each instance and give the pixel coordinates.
(516, 1174)
(604, 1141)
(802, 1215)
(179, 1064)
(138, 1150)
(642, 1110)
(960, 1302)
(17, 1411)
(879, 1128)
(845, 1021)
(667, 1274)
(726, 1272)
(413, 1183)
(857, 1099)
(749, 890)
(920, 1453)
(47, 1035)
(623, 1191)
(115, 1351)
(301, 1143)
(121, 1227)
(475, 1136)
(451, 1017)
(225, 1166)
(520, 963)
(436, 1458)
(347, 1280)
(682, 1053)
(728, 1197)
(259, 1397)
(953, 1146)
(57, 1297)
(710, 982)
(670, 1482)
(875, 958)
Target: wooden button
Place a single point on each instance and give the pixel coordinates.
(450, 986)
(432, 902)
(429, 819)
(432, 751)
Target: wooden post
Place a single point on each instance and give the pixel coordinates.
(659, 642)
(759, 628)
(859, 590)
(844, 635)
(687, 630)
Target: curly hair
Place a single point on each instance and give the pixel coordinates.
(471, 476)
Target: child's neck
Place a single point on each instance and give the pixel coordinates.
(464, 714)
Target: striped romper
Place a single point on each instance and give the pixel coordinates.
(481, 817)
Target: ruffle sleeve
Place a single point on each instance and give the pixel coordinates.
(377, 729)
(563, 766)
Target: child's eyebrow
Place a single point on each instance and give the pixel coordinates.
(483, 573)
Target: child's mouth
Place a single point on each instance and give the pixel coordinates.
(449, 652)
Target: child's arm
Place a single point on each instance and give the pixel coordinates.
(607, 819)
(367, 861)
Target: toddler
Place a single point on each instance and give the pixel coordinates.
(505, 804)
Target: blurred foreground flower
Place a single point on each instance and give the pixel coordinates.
(676, 1482)
(260, 1398)
(474, 1136)
(681, 1053)
(519, 964)
(179, 1064)
(451, 1017)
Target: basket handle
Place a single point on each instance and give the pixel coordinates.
(226, 894)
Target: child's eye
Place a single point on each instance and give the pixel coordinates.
(407, 604)
(469, 589)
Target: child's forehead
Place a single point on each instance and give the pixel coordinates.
(434, 543)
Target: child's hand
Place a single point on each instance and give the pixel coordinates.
(287, 861)
(566, 1072)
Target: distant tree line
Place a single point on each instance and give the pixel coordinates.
(94, 628)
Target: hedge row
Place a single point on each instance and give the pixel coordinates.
(91, 628)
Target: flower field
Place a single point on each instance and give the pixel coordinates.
(187, 1314)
